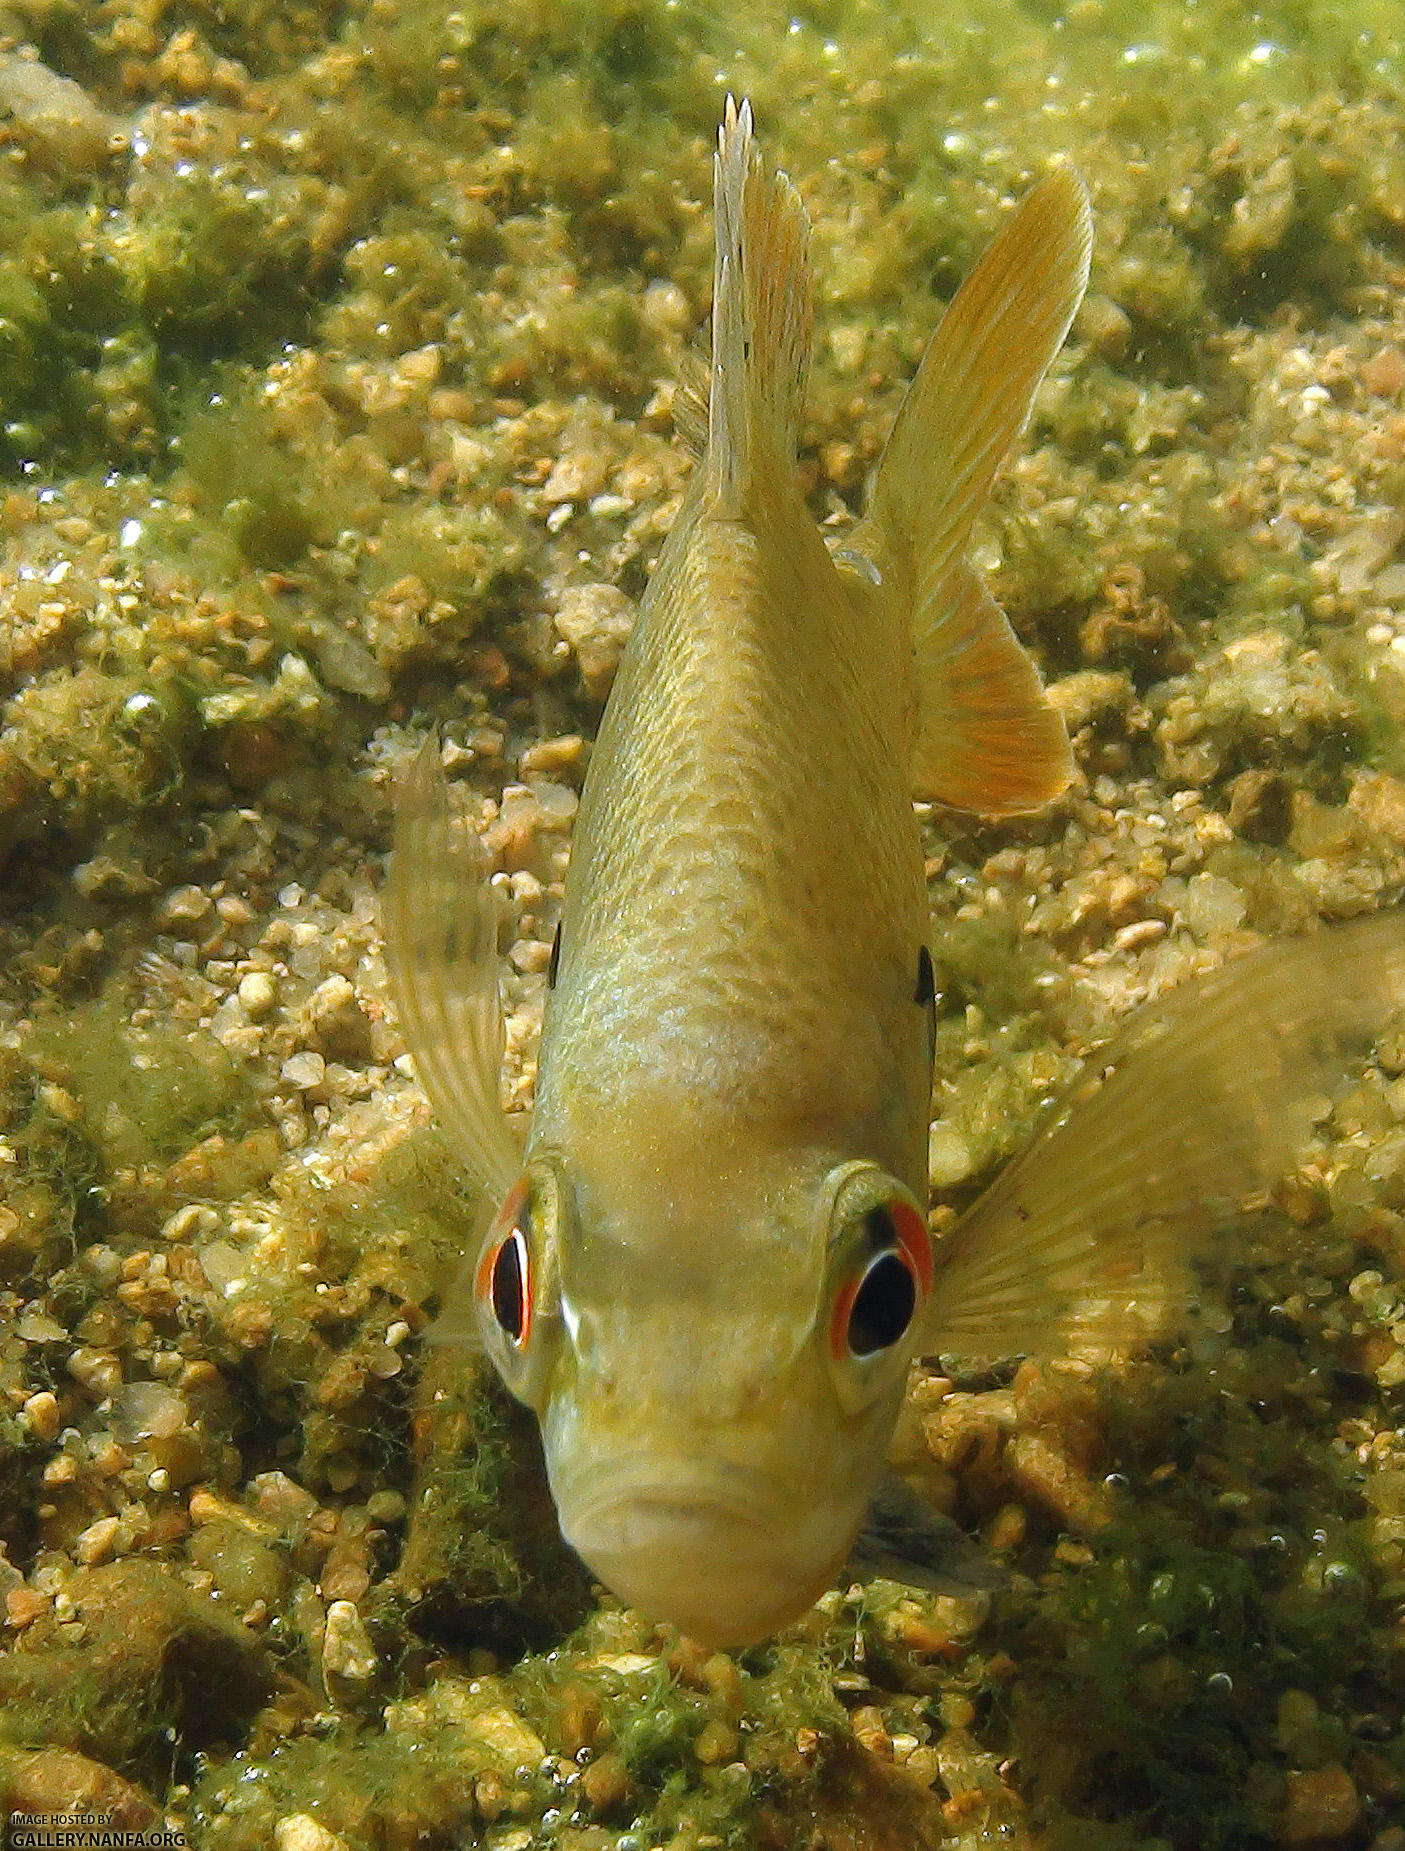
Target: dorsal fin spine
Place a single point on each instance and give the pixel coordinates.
(761, 316)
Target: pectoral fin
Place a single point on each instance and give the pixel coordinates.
(440, 922)
(1089, 1238)
(904, 1539)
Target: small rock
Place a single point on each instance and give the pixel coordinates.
(347, 1652)
(1212, 905)
(53, 1781)
(304, 1070)
(1260, 806)
(41, 1414)
(98, 1542)
(596, 621)
(55, 116)
(299, 1831)
(258, 992)
(605, 1781)
(949, 1159)
(1322, 1804)
(333, 1021)
(184, 906)
(1044, 1472)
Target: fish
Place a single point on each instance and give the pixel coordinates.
(709, 1265)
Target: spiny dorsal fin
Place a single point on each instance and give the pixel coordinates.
(760, 316)
(988, 738)
(1088, 1238)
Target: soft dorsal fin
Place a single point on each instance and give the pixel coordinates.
(761, 316)
(988, 739)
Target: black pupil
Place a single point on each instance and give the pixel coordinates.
(883, 1305)
(509, 1281)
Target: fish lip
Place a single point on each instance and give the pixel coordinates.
(723, 1554)
(734, 1492)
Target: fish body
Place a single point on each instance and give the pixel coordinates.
(710, 1267)
(735, 1073)
(709, 1275)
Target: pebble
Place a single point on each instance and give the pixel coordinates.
(41, 1413)
(716, 1742)
(184, 906)
(605, 1781)
(55, 115)
(299, 1831)
(1322, 1804)
(99, 1371)
(1045, 1473)
(24, 1605)
(56, 1781)
(98, 1542)
(304, 1070)
(596, 621)
(258, 992)
(347, 1651)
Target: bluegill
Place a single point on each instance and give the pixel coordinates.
(710, 1268)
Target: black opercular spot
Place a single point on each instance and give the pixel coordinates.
(883, 1305)
(510, 1285)
(925, 996)
(926, 990)
(555, 957)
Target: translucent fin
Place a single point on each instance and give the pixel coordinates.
(761, 316)
(904, 1539)
(958, 423)
(989, 739)
(457, 1326)
(1088, 1238)
(440, 923)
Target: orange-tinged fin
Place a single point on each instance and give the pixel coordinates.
(1089, 1238)
(988, 740)
(439, 916)
(761, 316)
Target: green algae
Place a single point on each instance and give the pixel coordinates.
(331, 364)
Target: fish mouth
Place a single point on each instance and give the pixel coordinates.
(721, 1556)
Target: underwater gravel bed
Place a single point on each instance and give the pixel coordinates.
(339, 354)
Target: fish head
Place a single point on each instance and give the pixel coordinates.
(716, 1373)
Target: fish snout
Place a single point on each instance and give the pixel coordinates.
(725, 1569)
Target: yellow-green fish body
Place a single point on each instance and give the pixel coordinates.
(711, 1268)
(709, 1280)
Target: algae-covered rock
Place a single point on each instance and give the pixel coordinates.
(483, 1563)
(139, 1654)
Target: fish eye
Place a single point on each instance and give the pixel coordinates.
(509, 1292)
(882, 1261)
(504, 1282)
(883, 1304)
(516, 1297)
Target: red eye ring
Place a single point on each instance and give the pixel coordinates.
(503, 1281)
(914, 1239)
(875, 1308)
